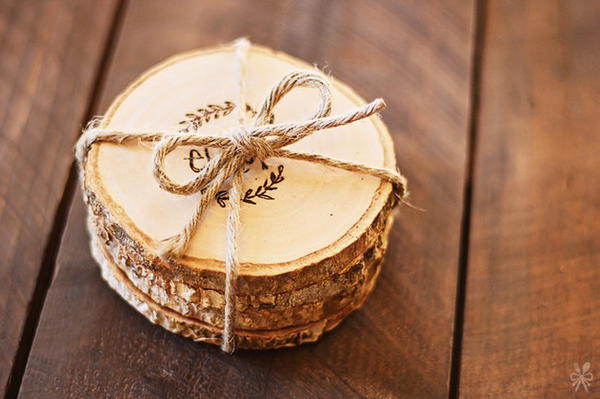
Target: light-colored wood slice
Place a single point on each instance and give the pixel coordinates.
(199, 331)
(196, 279)
(316, 221)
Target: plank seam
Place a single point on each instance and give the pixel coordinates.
(463, 258)
(49, 257)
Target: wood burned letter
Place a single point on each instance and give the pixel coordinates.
(194, 156)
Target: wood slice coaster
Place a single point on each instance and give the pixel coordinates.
(309, 234)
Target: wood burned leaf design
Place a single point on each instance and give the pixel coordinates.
(194, 120)
(252, 112)
(269, 184)
(221, 197)
(249, 197)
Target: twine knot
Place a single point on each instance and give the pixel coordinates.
(250, 146)
(261, 140)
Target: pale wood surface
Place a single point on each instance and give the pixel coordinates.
(284, 231)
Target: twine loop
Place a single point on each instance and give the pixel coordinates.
(261, 140)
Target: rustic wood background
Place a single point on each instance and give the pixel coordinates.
(493, 292)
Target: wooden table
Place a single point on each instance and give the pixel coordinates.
(494, 291)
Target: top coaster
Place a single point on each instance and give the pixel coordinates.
(294, 213)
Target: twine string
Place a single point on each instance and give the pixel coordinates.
(261, 140)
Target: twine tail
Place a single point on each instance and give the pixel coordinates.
(175, 246)
(231, 262)
(393, 177)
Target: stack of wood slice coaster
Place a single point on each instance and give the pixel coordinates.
(313, 237)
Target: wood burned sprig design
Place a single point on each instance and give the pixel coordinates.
(262, 191)
(252, 112)
(194, 120)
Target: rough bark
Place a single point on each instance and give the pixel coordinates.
(198, 331)
(266, 311)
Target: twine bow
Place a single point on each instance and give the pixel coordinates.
(582, 377)
(260, 141)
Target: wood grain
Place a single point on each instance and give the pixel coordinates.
(415, 54)
(49, 54)
(533, 289)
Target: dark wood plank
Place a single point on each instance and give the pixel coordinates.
(415, 54)
(533, 289)
(49, 52)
